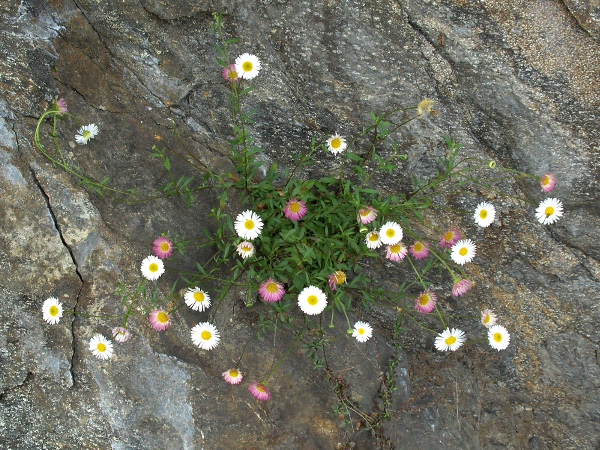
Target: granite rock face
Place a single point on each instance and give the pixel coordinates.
(516, 82)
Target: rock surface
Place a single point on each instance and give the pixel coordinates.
(517, 82)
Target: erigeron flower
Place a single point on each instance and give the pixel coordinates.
(450, 237)
(463, 251)
(197, 299)
(396, 252)
(205, 335)
(367, 215)
(498, 337)
(548, 182)
(373, 240)
(245, 249)
(362, 331)
(271, 291)
(60, 106)
(295, 209)
(230, 73)
(152, 268)
(101, 347)
(120, 334)
(336, 144)
(52, 310)
(260, 391)
(248, 225)
(484, 214)
(390, 233)
(450, 339)
(426, 302)
(488, 318)
(163, 247)
(425, 106)
(233, 376)
(338, 277)
(312, 300)
(86, 133)
(159, 319)
(247, 66)
(419, 250)
(549, 211)
(461, 287)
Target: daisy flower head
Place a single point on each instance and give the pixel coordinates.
(271, 291)
(52, 310)
(260, 391)
(498, 337)
(232, 376)
(197, 299)
(549, 211)
(101, 347)
(450, 237)
(152, 268)
(461, 287)
(60, 106)
(336, 144)
(419, 250)
(245, 249)
(120, 334)
(484, 214)
(312, 300)
(373, 240)
(450, 339)
(295, 209)
(86, 133)
(338, 277)
(206, 336)
(159, 319)
(366, 215)
(426, 302)
(248, 225)
(488, 318)
(230, 74)
(548, 182)
(163, 247)
(362, 331)
(390, 233)
(463, 251)
(247, 66)
(396, 252)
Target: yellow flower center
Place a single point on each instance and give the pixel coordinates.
(199, 296)
(165, 247)
(54, 310)
(86, 134)
(246, 248)
(483, 213)
(336, 143)
(450, 340)
(295, 207)
(260, 389)
(498, 337)
(249, 224)
(153, 267)
(390, 233)
(101, 347)
(449, 235)
(361, 331)
(549, 211)
(424, 300)
(339, 277)
(364, 212)
(418, 247)
(233, 373)
(545, 180)
(487, 318)
(206, 335)
(247, 66)
(162, 317)
(232, 75)
(463, 251)
(312, 300)
(272, 288)
(374, 237)
(395, 248)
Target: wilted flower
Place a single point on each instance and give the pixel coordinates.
(336, 278)
(548, 182)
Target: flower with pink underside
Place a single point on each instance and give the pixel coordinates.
(230, 74)
(233, 376)
(295, 209)
(548, 182)
(260, 391)
(461, 287)
(419, 250)
(163, 247)
(271, 291)
(336, 278)
(121, 334)
(366, 215)
(396, 252)
(159, 319)
(488, 318)
(450, 237)
(426, 302)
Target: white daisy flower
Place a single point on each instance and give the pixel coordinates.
(86, 133)
(549, 211)
(463, 251)
(152, 268)
(372, 240)
(362, 331)
(197, 299)
(390, 233)
(205, 335)
(245, 249)
(498, 337)
(248, 225)
(484, 214)
(247, 66)
(336, 144)
(450, 339)
(52, 310)
(312, 300)
(101, 347)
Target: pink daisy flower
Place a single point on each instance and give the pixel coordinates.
(295, 209)
(159, 319)
(230, 74)
(233, 376)
(260, 391)
(367, 215)
(488, 318)
(60, 106)
(419, 250)
(163, 247)
(396, 252)
(461, 287)
(336, 278)
(450, 237)
(426, 302)
(121, 334)
(548, 182)
(271, 291)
